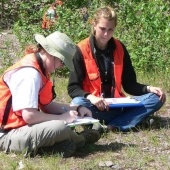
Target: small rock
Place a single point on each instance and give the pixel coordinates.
(106, 163)
(4, 33)
(109, 163)
(117, 167)
(101, 164)
(21, 165)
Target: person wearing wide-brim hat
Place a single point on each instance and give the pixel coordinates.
(31, 122)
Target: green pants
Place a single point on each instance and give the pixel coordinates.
(30, 138)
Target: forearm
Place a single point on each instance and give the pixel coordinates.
(135, 89)
(33, 116)
(129, 81)
(76, 78)
(58, 108)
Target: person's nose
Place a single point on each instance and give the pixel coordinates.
(106, 33)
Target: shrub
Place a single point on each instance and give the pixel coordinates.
(143, 26)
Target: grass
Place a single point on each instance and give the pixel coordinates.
(148, 148)
(141, 150)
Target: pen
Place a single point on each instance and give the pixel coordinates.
(102, 94)
(64, 109)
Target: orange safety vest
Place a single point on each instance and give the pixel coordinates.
(46, 21)
(10, 119)
(92, 81)
(59, 2)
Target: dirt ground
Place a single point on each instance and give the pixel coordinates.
(9, 45)
(7, 36)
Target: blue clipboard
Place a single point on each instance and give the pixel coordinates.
(126, 105)
(123, 102)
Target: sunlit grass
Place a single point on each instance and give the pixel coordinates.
(148, 149)
(61, 90)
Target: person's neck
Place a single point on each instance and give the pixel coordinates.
(43, 58)
(100, 46)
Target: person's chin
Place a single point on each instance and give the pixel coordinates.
(104, 42)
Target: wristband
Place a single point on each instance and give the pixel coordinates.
(85, 96)
(148, 88)
(78, 108)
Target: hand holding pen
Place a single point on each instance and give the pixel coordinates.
(106, 106)
(99, 102)
(83, 111)
(69, 116)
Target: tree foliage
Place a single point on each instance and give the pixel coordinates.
(143, 26)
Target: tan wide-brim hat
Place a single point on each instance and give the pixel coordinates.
(58, 45)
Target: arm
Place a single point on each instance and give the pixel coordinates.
(27, 100)
(130, 84)
(55, 111)
(75, 83)
(129, 81)
(60, 108)
(76, 78)
(33, 116)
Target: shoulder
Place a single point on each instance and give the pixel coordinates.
(23, 76)
(84, 42)
(26, 73)
(119, 41)
(29, 72)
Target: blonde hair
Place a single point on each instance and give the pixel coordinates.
(104, 12)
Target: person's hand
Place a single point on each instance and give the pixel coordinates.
(83, 111)
(69, 116)
(159, 92)
(99, 102)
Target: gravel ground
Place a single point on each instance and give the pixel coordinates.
(9, 47)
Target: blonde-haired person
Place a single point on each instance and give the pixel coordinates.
(102, 68)
(31, 122)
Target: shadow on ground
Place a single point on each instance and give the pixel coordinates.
(96, 148)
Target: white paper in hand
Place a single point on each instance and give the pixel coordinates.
(83, 121)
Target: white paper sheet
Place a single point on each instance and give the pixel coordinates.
(82, 121)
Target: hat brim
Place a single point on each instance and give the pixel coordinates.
(46, 45)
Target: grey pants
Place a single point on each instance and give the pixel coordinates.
(30, 138)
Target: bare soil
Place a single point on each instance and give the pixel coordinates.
(8, 45)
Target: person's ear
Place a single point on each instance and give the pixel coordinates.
(42, 51)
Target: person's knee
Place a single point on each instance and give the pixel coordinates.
(156, 100)
(160, 104)
(55, 126)
(55, 131)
